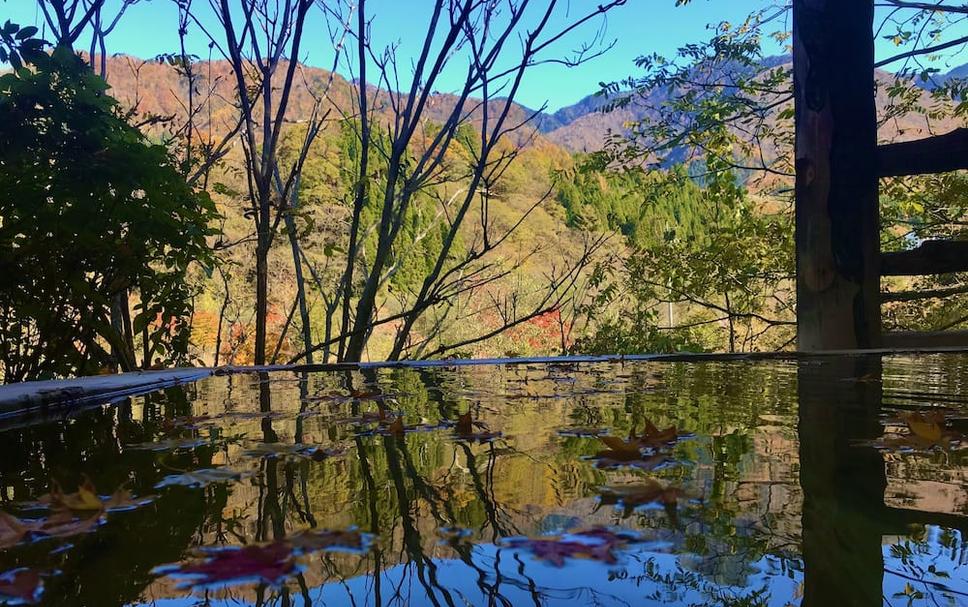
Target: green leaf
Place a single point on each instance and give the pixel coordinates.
(26, 32)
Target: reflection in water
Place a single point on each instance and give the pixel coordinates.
(726, 483)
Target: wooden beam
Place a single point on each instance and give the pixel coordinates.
(919, 295)
(838, 299)
(917, 339)
(939, 154)
(931, 257)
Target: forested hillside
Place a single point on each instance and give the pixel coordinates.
(275, 212)
(577, 197)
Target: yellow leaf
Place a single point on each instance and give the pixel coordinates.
(925, 426)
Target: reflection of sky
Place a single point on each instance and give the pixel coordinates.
(946, 585)
(522, 580)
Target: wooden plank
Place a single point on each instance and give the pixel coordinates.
(838, 299)
(52, 394)
(914, 339)
(930, 257)
(939, 154)
(919, 295)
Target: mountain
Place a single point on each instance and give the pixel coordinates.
(939, 80)
(583, 127)
(156, 88)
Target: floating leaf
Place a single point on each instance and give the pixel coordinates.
(12, 530)
(202, 477)
(928, 426)
(84, 499)
(631, 450)
(21, 587)
(62, 523)
(122, 501)
(326, 540)
(171, 444)
(636, 495)
(267, 563)
(465, 429)
(597, 544)
(927, 430)
(296, 450)
(270, 563)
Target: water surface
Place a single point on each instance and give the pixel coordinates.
(824, 482)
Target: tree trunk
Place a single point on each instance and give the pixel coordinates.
(300, 285)
(836, 188)
(261, 300)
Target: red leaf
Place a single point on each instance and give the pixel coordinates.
(20, 586)
(267, 563)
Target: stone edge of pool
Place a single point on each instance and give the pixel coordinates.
(48, 395)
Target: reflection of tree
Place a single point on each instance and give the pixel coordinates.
(843, 478)
(131, 544)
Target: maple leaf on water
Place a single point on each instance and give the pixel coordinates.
(929, 426)
(13, 530)
(638, 451)
(327, 540)
(203, 477)
(636, 495)
(296, 450)
(62, 523)
(171, 444)
(266, 563)
(122, 500)
(468, 429)
(86, 499)
(21, 587)
(597, 544)
(926, 429)
(271, 563)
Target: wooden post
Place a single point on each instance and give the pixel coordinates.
(836, 185)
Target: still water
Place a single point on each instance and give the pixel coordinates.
(837, 481)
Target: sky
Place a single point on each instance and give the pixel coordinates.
(640, 27)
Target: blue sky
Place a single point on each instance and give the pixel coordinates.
(640, 27)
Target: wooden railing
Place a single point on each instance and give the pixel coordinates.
(938, 154)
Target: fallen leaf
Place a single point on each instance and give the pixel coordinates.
(632, 496)
(271, 563)
(465, 429)
(326, 540)
(171, 444)
(295, 450)
(396, 428)
(122, 501)
(632, 449)
(84, 499)
(12, 530)
(21, 587)
(597, 544)
(62, 523)
(202, 477)
(926, 425)
(266, 563)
